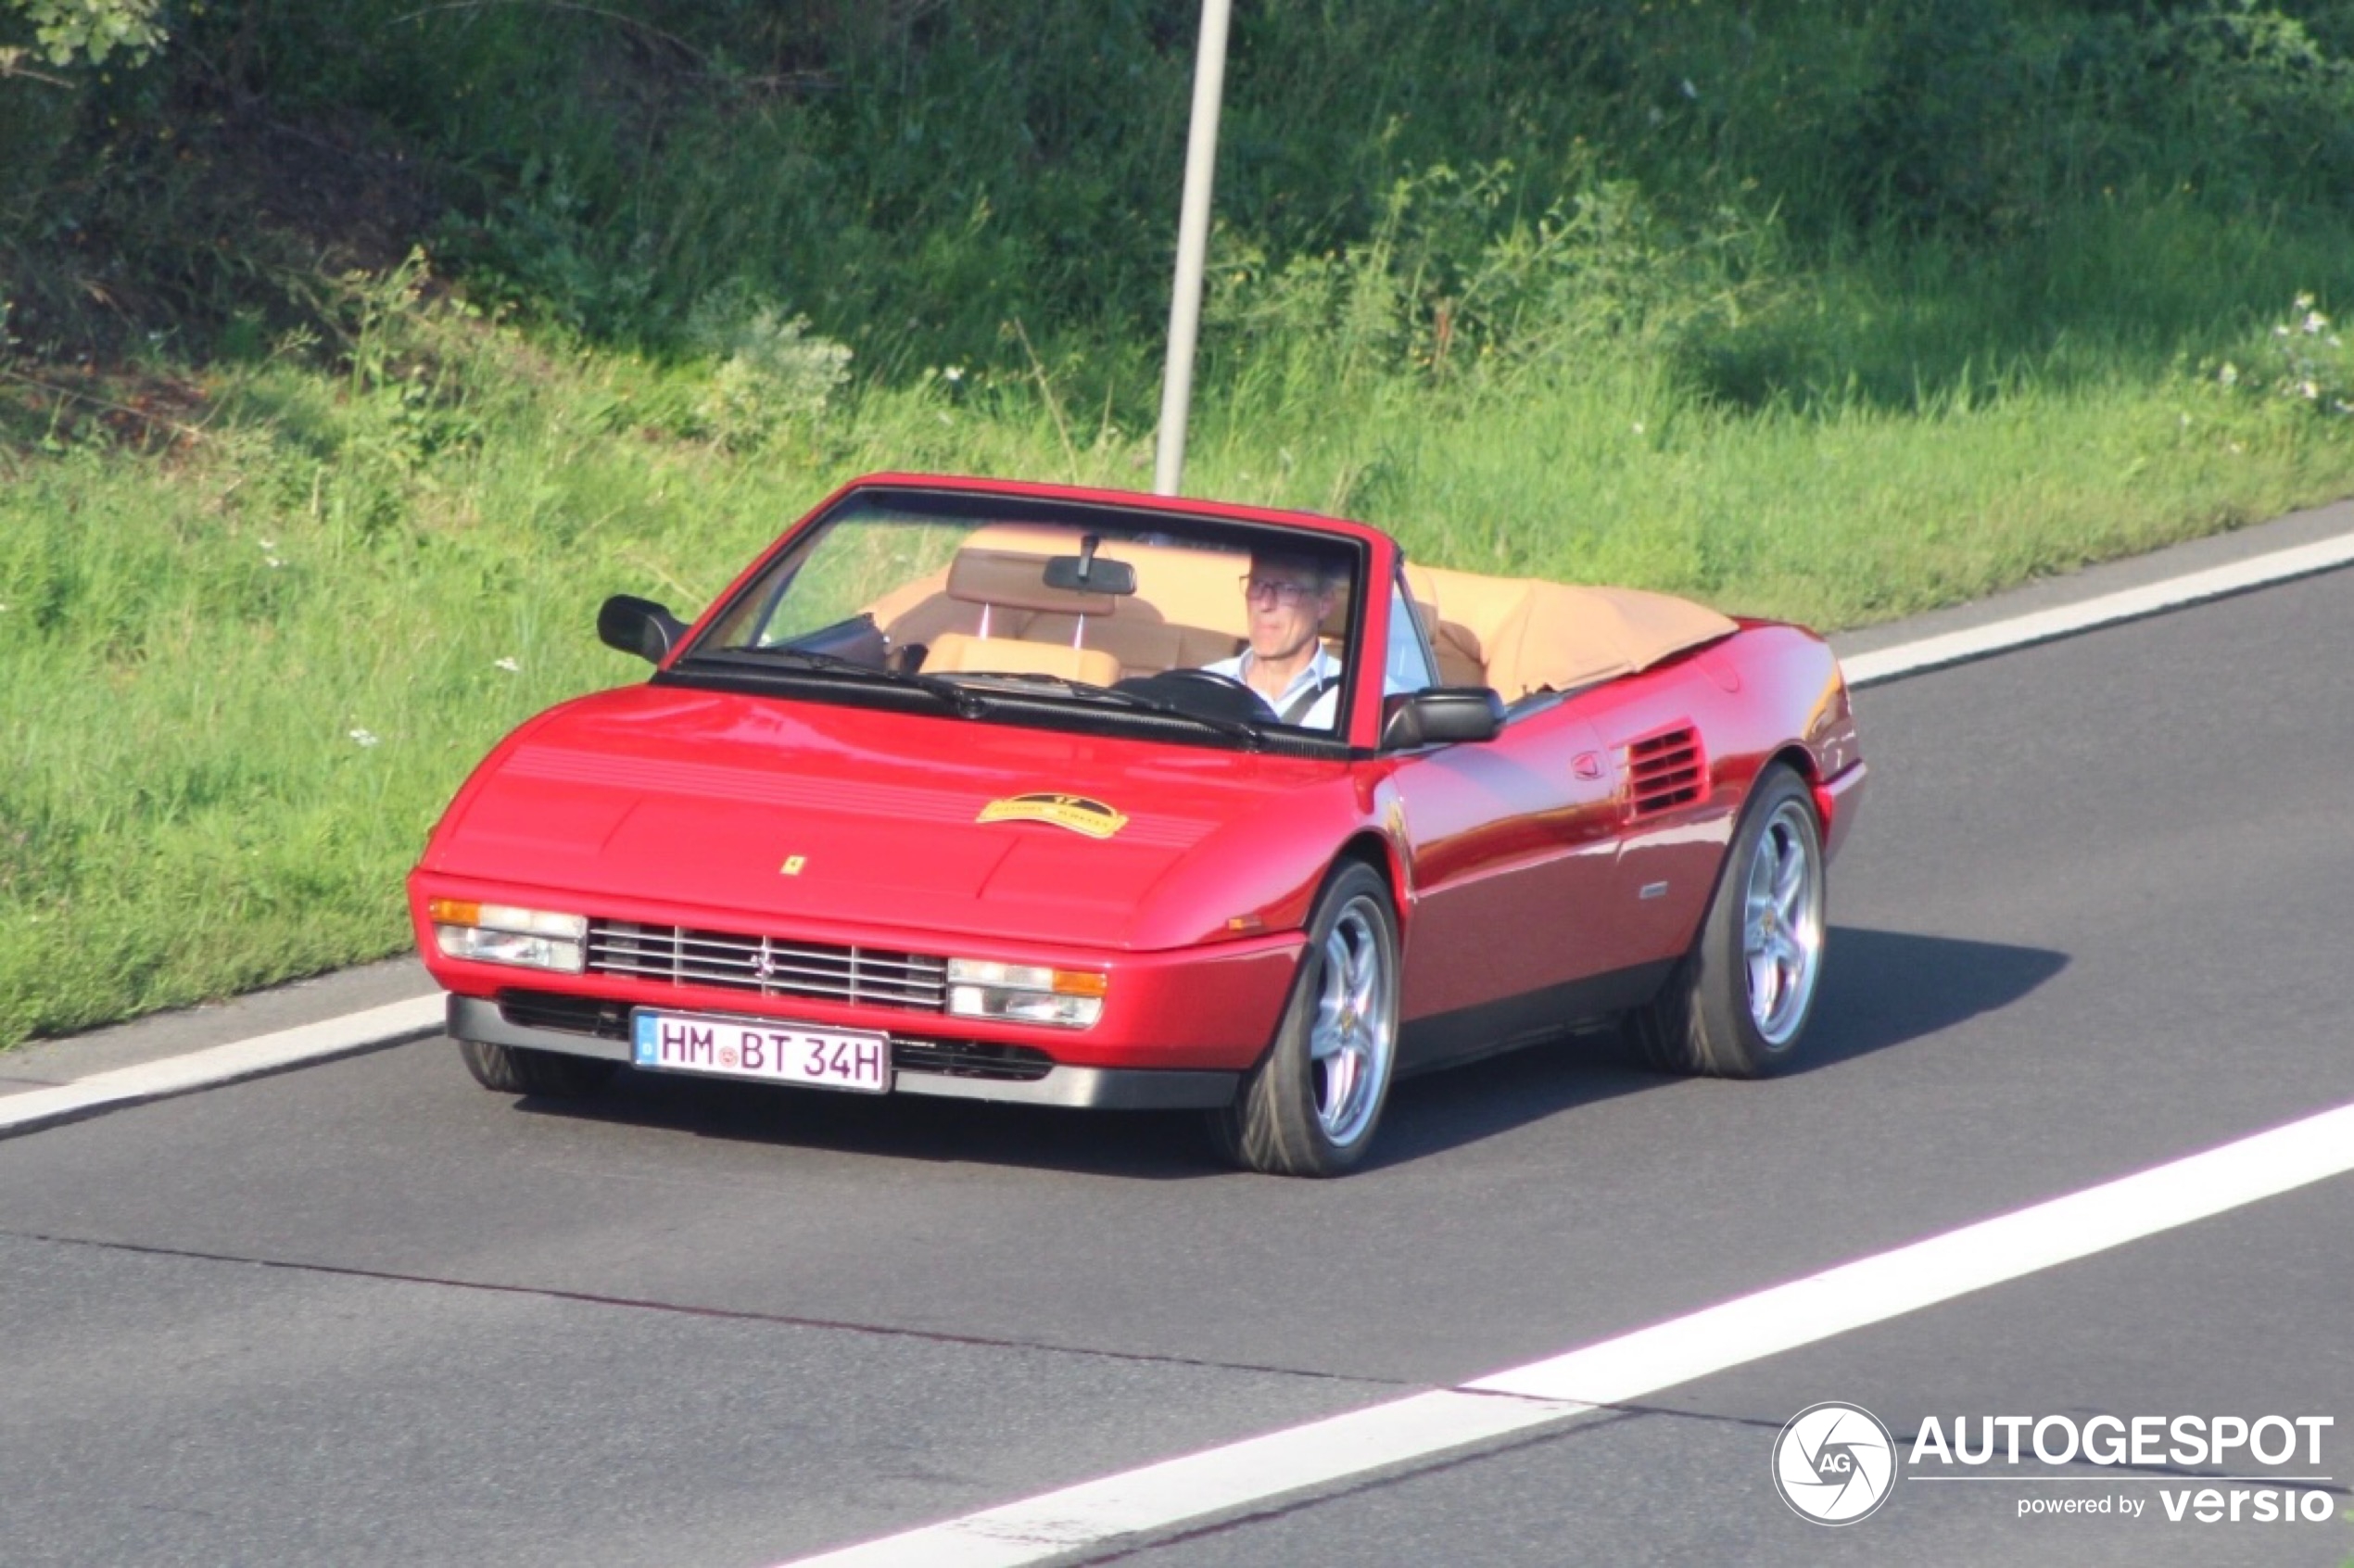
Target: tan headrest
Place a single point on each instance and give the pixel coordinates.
(1465, 614)
(1012, 581)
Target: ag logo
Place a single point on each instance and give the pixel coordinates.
(1834, 1463)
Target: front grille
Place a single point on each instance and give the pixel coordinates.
(970, 1059)
(1666, 772)
(768, 965)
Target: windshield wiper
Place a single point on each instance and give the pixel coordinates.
(1250, 734)
(964, 702)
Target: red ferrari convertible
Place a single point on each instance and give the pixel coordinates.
(1080, 798)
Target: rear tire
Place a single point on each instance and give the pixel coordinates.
(1310, 1107)
(1737, 1003)
(516, 1069)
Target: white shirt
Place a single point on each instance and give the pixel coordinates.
(1320, 667)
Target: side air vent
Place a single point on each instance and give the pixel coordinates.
(1665, 773)
(971, 1059)
(574, 1015)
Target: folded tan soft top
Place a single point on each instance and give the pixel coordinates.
(1521, 635)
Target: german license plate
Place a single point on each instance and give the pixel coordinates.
(768, 1050)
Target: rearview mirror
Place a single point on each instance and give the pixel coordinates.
(1084, 573)
(1440, 715)
(639, 626)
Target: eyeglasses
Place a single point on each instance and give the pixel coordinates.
(1276, 591)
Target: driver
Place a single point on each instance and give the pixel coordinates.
(1288, 598)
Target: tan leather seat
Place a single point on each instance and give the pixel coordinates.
(1463, 613)
(1187, 610)
(994, 588)
(958, 652)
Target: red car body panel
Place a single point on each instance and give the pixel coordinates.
(1534, 881)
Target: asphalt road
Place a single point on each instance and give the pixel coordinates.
(2093, 919)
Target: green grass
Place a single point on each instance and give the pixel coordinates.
(1836, 311)
(240, 676)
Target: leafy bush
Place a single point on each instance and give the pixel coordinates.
(770, 370)
(70, 33)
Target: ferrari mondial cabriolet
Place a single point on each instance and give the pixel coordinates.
(1061, 797)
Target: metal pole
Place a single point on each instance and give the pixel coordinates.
(1193, 248)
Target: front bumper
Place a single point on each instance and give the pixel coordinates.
(493, 1022)
(1836, 802)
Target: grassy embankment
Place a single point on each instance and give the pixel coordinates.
(257, 622)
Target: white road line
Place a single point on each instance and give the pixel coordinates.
(1159, 1497)
(1237, 1475)
(224, 1064)
(1889, 1285)
(2043, 625)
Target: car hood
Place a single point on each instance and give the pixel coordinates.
(755, 809)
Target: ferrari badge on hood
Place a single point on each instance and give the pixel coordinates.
(1077, 813)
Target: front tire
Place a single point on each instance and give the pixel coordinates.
(1737, 1005)
(517, 1069)
(1310, 1107)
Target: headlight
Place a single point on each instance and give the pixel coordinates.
(1025, 993)
(502, 934)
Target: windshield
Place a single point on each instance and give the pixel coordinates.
(1242, 630)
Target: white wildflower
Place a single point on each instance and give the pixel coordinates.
(2315, 323)
(507, 664)
(2304, 301)
(272, 562)
(364, 736)
(953, 373)
(2229, 376)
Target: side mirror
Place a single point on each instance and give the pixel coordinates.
(1439, 716)
(639, 626)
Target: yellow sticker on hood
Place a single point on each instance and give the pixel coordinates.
(1075, 812)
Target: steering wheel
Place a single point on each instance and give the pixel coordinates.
(1217, 680)
(1204, 692)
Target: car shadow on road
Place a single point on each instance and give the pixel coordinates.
(1880, 989)
(1888, 988)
